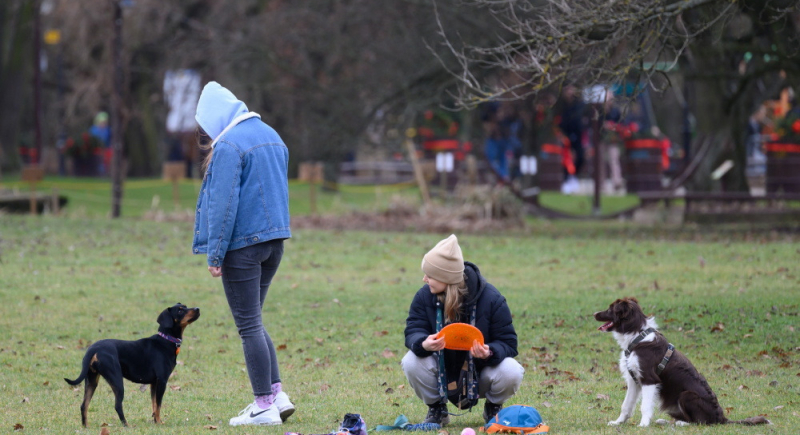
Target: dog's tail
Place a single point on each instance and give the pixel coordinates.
(76, 381)
(87, 361)
(752, 421)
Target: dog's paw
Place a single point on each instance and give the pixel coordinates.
(662, 422)
(644, 423)
(614, 423)
(681, 423)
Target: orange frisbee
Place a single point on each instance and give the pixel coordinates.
(459, 336)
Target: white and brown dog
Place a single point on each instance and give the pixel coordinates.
(657, 373)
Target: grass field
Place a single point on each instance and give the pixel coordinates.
(727, 297)
(91, 197)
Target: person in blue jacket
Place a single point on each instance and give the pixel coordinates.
(455, 291)
(241, 222)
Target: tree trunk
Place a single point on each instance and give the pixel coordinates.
(15, 54)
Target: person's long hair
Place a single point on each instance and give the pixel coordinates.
(204, 142)
(452, 298)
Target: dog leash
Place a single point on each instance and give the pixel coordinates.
(172, 339)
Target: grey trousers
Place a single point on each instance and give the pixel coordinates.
(246, 276)
(496, 384)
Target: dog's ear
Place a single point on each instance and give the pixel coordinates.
(623, 308)
(165, 319)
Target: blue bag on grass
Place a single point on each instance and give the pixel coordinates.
(518, 419)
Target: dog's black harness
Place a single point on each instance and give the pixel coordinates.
(637, 340)
(667, 356)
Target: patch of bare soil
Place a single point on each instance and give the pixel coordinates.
(469, 210)
(472, 210)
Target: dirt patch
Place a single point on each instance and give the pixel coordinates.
(469, 211)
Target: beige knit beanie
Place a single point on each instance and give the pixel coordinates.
(444, 262)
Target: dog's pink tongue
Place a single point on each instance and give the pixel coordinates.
(606, 326)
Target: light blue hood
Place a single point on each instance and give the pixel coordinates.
(217, 109)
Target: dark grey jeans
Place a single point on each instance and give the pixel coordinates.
(246, 276)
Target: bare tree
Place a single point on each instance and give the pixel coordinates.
(728, 52)
(320, 71)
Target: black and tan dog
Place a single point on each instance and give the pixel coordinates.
(146, 361)
(658, 373)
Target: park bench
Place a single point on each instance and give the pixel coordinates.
(723, 207)
(375, 172)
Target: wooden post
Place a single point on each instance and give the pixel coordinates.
(412, 155)
(174, 171)
(32, 174)
(315, 175)
(599, 178)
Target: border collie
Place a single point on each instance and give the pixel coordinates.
(657, 373)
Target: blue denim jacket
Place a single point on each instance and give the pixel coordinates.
(244, 198)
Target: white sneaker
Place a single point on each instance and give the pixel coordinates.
(284, 405)
(255, 415)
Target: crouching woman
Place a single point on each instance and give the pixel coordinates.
(455, 291)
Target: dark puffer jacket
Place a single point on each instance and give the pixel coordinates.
(492, 318)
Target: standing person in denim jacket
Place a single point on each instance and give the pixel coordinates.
(241, 222)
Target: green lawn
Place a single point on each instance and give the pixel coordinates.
(91, 197)
(336, 310)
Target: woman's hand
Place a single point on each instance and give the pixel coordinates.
(216, 272)
(432, 344)
(480, 351)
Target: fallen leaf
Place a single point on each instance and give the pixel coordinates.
(603, 396)
(174, 388)
(702, 261)
(319, 341)
(46, 383)
(559, 323)
(778, 407)
(208, 416)
(742, 387)
(294, 286)
(401, 386)
(388, 353)
(25, 400)
(324, 387)
(728, 410)
(60, 347)
(389, 390)
(655, 285)
(210, 427)
(381, 333)
(547, 404)
(282, 347)
(719, 327)
(18, 427)
(748, 335)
